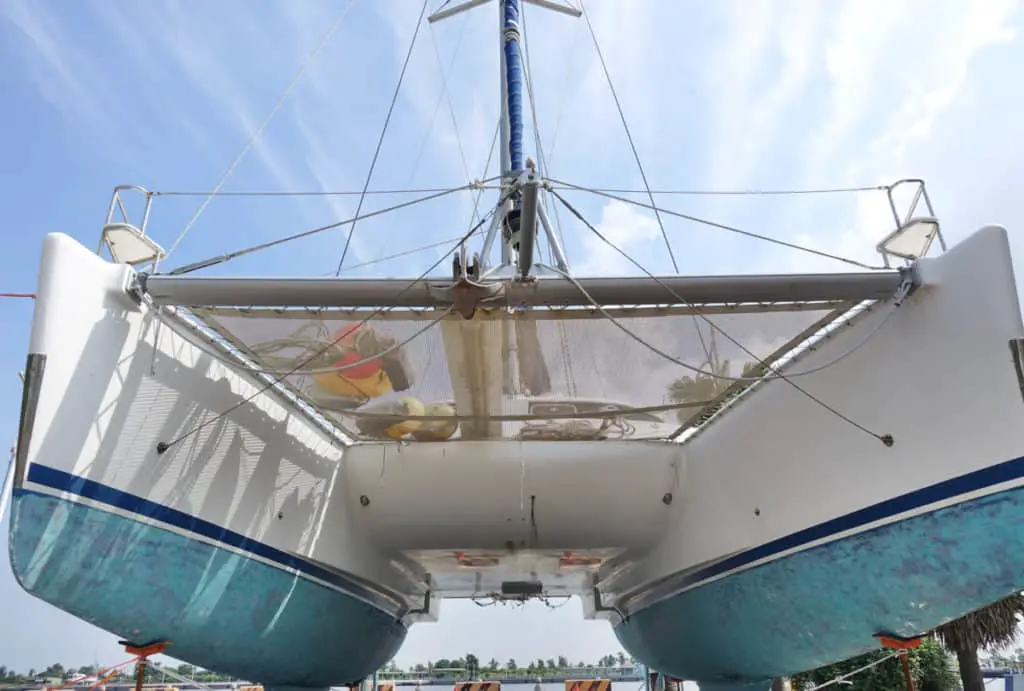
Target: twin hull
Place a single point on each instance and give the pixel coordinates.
(783, 535)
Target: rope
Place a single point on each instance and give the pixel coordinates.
(380, 139)
(276, 381)
(855, 672)
(714, 224)
(259, 130)
(188, 268)
(886, 439)
(183, 679)
(111, 672)
(586, 415)
(629, 136)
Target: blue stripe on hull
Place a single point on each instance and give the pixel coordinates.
(110, 496)
(825, 603)
(220, 609)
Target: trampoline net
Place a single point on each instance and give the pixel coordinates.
(539, 374)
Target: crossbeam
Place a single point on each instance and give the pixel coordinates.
(196, 291)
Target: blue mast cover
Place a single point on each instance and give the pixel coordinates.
(514, 84)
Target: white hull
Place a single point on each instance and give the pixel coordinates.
(389, 518)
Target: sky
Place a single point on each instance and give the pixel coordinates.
(733, 95)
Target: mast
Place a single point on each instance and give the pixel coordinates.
(521, 213)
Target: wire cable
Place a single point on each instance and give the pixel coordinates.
(383, 132)
(220, 259)
(715, 224)
(305, 193)
(744, 193)
(276, 381)
(886, 439)
(259, 130)
(629, 135)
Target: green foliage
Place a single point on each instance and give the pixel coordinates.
(929, 665)
(706, 386)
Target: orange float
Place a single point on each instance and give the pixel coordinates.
(359, 375)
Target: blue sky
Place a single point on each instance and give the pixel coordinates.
(729, 95)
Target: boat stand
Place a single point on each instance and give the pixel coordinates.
(903, 646)
(142, 653)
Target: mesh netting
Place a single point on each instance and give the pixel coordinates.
(540, 374)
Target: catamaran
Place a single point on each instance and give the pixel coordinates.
(279, 476)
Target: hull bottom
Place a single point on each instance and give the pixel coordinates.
(825, 603)
(219, 609)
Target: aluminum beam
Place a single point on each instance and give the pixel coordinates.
(547, 290)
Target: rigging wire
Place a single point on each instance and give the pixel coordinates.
(277, 380)
(446, 92)
(399, 255)
(886, 439)
(564, 91)
(708, 349)
(629, 135)
(259, 130)
(304, 193)
(746, 193)
(475, 216)
(383, 132)
(445, 73)
(220, 259)
(714, 224)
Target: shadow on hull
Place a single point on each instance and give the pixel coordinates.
(825, 604)
(219, 609)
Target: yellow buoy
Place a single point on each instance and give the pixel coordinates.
(406, 406)
(437, 430)
(339, 384)
(387, 419)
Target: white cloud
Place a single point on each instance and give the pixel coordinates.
(628, 228)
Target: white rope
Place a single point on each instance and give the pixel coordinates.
(854, 672)
(259, 130)
(179, 677)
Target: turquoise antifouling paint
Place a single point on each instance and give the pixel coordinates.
(825, 603)
(219, 609)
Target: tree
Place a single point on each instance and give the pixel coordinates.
(472, 664)
(621, 657)
(511, 665)
(993, 626)
(563, 662)
(706, 385)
